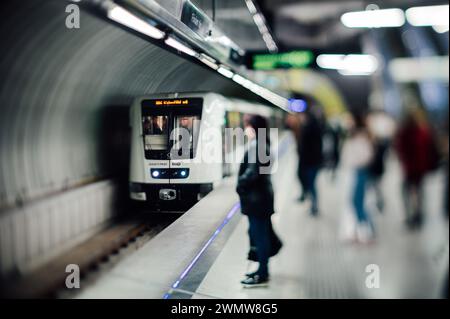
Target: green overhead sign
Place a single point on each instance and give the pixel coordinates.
(293, 59)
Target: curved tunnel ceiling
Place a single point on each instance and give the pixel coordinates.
(311, 83)
(56, 85)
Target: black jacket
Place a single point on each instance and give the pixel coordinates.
(310, 144)
(254, 189)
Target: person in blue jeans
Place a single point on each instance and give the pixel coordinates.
(259, 228)
(361, 181)
(357, 155)
(257, 200)
(308, 177)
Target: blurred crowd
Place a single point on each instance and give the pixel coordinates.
(352, 151)
(356, 145)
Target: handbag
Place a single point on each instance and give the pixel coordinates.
(275, 246)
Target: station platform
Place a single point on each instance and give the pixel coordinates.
(208, 258)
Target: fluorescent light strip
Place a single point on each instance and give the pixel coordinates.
(374, 18)
(225, 72)
(186, 271)
(266, 94)
(263, 29)
(441, 28)
(330, 61)
(260, 22)
(352, 64)
(272, 97)
(208, 61)
(353, 73)
(261, 91)
(180, 46)
(243, 81)
(126, 18)
(428, 16)
(420, 69)
(251, 6)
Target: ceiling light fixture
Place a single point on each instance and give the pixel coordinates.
(374, 18)
(260, 22)
(351, 64)
(126, 18)
(180, 46)
(208, 61)
(429, 16)
(225, 72)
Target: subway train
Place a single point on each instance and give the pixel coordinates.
(180, 143)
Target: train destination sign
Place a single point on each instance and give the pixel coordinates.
(174, 102)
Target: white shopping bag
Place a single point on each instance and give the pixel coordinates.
(348, 223)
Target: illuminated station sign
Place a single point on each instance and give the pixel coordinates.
(287, 60)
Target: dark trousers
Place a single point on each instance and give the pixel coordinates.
(412, 196)
(260, 231)
(307, 176)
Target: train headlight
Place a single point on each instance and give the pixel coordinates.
(155, 174)
(183, 173)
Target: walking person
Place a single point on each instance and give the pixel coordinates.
(418, 155)
(376, 170)
(357, 154)
(257, 200)
(381, 127)
(310, 157)
(331, 148)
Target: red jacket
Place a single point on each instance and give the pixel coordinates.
(417, 150)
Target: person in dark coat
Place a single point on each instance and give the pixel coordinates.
(418, 155)
(377, 168)
(310, 157)
(257, 200)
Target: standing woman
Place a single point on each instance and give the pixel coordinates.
(257, 200)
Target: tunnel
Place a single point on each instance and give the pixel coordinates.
(65, 130)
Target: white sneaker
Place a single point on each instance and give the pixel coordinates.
(364, 233)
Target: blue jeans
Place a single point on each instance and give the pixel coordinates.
(260, 236)
(359, 195)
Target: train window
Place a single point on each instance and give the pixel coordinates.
(234, 119)
(191, 125)
(155, 131)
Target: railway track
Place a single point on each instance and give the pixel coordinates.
(106, 247)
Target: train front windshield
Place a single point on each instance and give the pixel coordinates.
(171, 127)
(186, 127)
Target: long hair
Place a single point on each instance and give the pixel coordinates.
(262, 132)
(258, 122)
